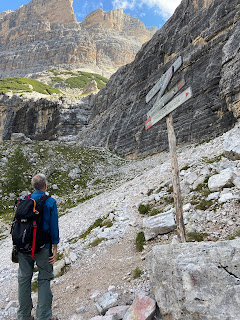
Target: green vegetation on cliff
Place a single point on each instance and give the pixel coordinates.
(25, 85)
(78, 79)
(75, 174)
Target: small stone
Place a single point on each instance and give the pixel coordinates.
(11, 304)
(111, 288)
(225, 197)
(81, 309)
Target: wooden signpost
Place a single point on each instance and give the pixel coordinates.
(162, 108)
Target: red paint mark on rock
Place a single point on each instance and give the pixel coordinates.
(142, 308)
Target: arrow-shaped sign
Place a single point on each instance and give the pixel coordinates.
(167, 97)
(174, 67)
(172, 105)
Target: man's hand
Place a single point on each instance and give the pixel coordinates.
(53, 258)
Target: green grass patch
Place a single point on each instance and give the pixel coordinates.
(34, 285)
(235, 235)
(96, 242)
(215, 159)
(25, 85)
(185, 168)
(140, 241)
(100, 222)
(154, 212)
(57, 79)
(204, 204)
(196, 236)
(150, 191)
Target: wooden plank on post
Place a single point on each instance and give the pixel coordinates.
(166, 98)
(174, 67)
(156, 114)
(176, 181)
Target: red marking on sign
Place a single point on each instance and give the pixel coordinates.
(149, 119)
(187, 94)
(180, 86)
(148, 127)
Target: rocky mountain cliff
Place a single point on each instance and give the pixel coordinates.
(45, 33)
(207, 36)
(41, 118)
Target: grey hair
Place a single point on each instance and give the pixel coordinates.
(39, 181)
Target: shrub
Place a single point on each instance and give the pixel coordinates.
(140, 241)
(154, 212)
(204, 204)
(137, 273)
(150, 192)
(96, 242)
(144, 209)
(196, 236)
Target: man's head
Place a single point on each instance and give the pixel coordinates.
(39, 182)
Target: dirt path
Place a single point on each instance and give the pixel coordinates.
(109, 267)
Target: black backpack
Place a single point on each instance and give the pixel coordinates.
(27, 233)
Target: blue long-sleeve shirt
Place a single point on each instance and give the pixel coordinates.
(50, 216)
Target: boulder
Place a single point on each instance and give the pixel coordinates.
(142, 308)
(231, 144)
(107, 301)
(19, 137)
(159, 224)
(198, 280)
(221, 180)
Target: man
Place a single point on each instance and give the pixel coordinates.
(44, 260)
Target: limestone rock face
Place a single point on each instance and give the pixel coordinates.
(40, 118)
(45, 33)
(196, 280)
(206, 35)
(117, 20)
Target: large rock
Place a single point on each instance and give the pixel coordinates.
(159, 224)
(221, 180)
(231, 143)
(196, 280)
(206, 35)
(45, 33)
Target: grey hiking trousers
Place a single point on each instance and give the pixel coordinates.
(25, 273)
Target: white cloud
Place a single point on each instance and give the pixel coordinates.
(164, 8)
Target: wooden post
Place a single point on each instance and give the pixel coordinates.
(176, 181)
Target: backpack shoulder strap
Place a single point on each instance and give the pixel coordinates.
(42, 199)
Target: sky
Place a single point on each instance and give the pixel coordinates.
(150, 12)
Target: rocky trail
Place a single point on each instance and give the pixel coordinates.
(107, 269)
